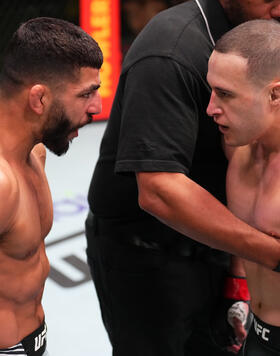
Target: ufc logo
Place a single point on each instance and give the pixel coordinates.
(39, 340)
(261, 331)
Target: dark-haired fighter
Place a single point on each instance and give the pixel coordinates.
(48, 90)
(244, 74)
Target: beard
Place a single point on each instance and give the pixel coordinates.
(57, 130)
(236, 12)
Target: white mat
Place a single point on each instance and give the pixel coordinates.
(72, 311)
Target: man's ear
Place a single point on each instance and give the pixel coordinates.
(275, 94)
(38, 98)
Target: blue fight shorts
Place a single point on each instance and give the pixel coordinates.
(32, 345)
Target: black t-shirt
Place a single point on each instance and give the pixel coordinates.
(158, 120)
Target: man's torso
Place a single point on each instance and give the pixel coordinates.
(23, 263)
(253, 193)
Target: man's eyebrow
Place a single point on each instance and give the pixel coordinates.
(89, 89)
(223, 90)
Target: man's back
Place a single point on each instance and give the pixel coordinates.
(24, 266)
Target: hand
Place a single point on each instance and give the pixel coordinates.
(240, 334)
(239, 318)
(230, 325)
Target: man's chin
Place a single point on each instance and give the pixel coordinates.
(58, 151)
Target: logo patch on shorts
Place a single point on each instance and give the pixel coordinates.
(40, 339)
(260, 330)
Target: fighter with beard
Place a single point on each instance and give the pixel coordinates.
(239, 11)
(48, 90)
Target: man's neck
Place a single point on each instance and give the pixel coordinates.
(17, 134)
(264, 151)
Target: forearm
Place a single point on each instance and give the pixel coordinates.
(237, 267)
(191, 210)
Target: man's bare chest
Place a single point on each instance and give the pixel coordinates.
(33, 215)
(254, 196)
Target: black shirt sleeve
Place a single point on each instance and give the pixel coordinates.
(159, 123)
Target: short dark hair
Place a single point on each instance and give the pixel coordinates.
(258, 41)
(47, 50)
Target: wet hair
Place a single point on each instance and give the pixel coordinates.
(258, 41)
(47, 50)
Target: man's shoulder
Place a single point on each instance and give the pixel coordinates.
(9, 194)
(176, 18)
(172, 33)
(8, 181)
(40, 153)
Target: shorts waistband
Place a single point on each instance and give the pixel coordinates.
(268, 335)
(32, 345)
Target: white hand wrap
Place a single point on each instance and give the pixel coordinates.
(239, 310)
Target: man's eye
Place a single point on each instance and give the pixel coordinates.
(223, 94)
(86, 95)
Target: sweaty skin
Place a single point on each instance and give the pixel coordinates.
(25, 220)
(253, 191)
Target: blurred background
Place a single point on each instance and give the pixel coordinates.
(70, 303)
(134, 14)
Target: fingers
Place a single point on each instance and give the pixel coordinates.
(234, 349)
(239, 330)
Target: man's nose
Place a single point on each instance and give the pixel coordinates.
(96, 105)
(212, 108)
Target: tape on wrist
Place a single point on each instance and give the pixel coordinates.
(236, 288)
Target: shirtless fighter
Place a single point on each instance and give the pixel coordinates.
(244, 74)
(48, 90)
